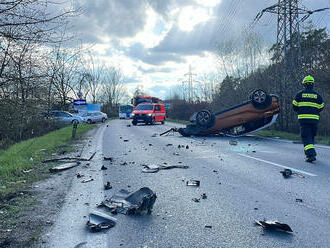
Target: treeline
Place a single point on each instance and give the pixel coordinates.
(276, 79)
(41, 70)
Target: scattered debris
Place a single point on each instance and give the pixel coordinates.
(176, 154)
(156, 168)
(138, 202)
(233, 142)
(154, 135)
(27, 171)
(196, 199)
(104, 167)
(79, 175)
(108, 159)
(128, 125)
(299, 200)
(107, 186)
(215, 171)
(150, 144)
(195, 183)
(123, 163)
(288, 173)
(187, 147)
(256, 208)
(204, 196)
(69, 158)
(126, 140)
(254, 151)
(99, 221)
(179, 146)
(208, 226)
(169, 145)
(63, 167)
(168, 131)
(87, 180)
(274, 225)
(82, 244)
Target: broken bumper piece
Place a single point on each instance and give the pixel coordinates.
(98, 222)
(138, 202)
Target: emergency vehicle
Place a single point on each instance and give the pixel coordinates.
(144, 99)
(149, 113)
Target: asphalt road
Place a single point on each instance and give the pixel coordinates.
(242, 183)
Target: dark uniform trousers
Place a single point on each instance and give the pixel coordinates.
(308, 133)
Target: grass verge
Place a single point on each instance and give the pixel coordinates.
(18, 163)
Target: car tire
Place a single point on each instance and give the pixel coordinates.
(204, 118)
(153, 121)
(103, 120)
(74, 121)
(89, 121)
(260, 99)
(163, 122)
(134, 123)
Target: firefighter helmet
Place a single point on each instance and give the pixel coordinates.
(308, 80)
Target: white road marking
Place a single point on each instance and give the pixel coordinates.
(278, 165)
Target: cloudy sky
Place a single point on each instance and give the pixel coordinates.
(155, 41)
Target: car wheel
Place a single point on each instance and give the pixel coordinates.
(103, 119)
(74, 121)
(260, 99)
(153, 121)
(203, 118)
(134, 123)
(163, 122)
(89, 121)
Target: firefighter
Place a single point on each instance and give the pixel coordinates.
(308, 103)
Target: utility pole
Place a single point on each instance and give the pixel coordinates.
(288, 46)
(190, 82)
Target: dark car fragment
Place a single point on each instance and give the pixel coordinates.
(259, 112)
(99, 221)
(138, 202)
(274, 225)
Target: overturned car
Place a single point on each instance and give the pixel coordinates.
(259, 112)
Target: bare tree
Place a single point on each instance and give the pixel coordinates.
(113, 89)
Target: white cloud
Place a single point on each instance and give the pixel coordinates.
(208, 3)
(190, 16)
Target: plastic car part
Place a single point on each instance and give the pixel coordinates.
(99, 221)
(195, 183)
(274, 225)
(156, 168)
(286, 173)
(138, 202)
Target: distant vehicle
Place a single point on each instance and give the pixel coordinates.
(144, 99)
(93, 117)
(125, 111)
(65, 117)
(259, 112)
(149, 113)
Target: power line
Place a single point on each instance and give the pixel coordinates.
(288, 48)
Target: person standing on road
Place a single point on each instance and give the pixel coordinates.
(308, 103)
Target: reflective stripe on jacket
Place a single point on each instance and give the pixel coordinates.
(308, 103)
